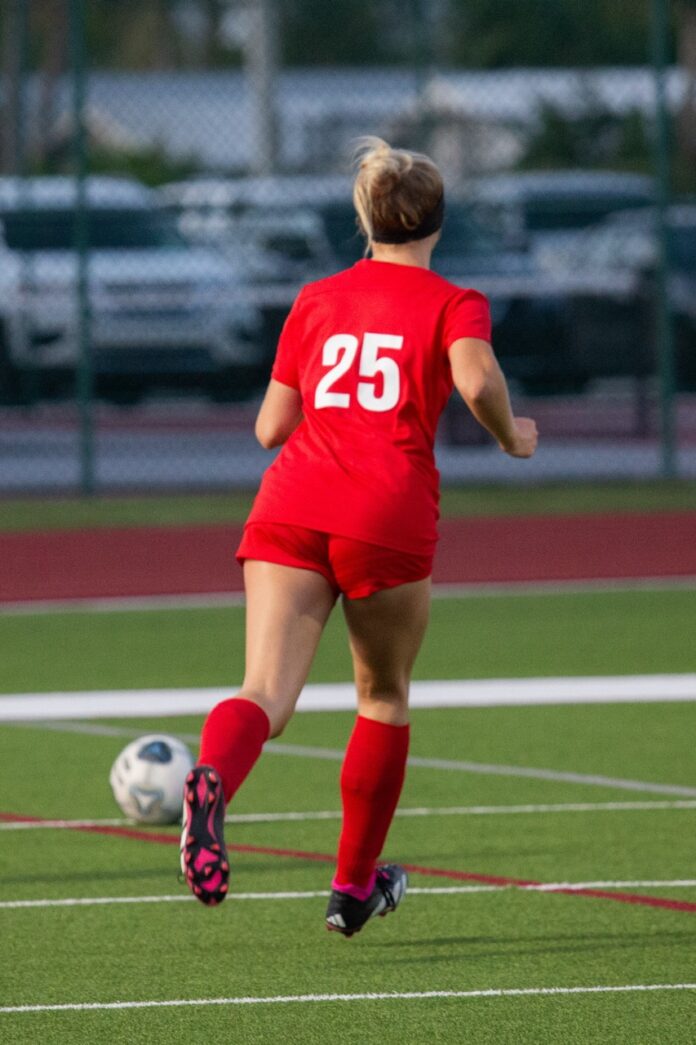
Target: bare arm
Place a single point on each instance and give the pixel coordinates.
(481, 384)
(279, 416)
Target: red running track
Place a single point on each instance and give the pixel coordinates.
(94, 563)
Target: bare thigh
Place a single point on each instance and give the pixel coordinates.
(286, 610)
(386, 631)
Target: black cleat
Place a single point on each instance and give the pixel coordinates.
(347, 915)
(203, 855)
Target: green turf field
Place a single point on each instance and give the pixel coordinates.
(631, 829)
(271, 947)
(614, 633)
(189, 509)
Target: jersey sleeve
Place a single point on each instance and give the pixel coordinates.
(285, 366)
(468, 314)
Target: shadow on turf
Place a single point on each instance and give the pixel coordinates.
(92, 876)
(566, 943)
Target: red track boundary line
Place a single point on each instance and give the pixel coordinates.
(160, 838)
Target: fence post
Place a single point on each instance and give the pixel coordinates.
(15, 47)
(261, 61)
(84, 373)
(665, 326)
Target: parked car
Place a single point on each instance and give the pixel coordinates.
(162, 313)
(279, 229)
(530, 207)
(535, 306)
(525, 306)
(612, 270)
(271, 223)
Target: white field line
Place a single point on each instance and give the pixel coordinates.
(488, 769)
(314, 894)
(340, 696)
(121, 604)
(419, 811)
(449, 765)
(215, 600)
(285, 999)
(568, 807)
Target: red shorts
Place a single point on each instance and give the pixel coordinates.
(352, 568)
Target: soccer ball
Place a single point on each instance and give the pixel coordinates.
(147, 778)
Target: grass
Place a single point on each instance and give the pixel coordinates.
(41, 513)
(627, 632)
(265, 948)
(460, 942)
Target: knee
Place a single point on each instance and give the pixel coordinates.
(383, 695)
(385, 700)
(383, 689)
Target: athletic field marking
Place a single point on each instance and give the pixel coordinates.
(285, 999)
(122, 604)
(445, 890)
(217, 600)
(340, 696)
(336, 755)
(160, 838)
(336, 814)
(554, 775)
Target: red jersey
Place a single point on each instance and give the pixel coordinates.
(367, 350)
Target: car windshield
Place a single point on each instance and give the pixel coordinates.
(340, 225)
(545, 214)
(682, 245)
(120, 229)
(462, 234)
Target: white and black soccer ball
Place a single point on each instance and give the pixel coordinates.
(147, 778)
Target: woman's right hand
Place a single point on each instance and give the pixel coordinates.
(525, 438)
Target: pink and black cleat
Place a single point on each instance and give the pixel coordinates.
(204, 862)
(347, 914)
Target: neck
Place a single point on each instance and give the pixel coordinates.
(416, 253)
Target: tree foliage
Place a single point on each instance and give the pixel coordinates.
(496, 33)
(592, 138)
(477, 34)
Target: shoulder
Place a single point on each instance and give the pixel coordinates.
(454, 294)
(328, 285)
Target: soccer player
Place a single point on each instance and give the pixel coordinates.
(364, 367)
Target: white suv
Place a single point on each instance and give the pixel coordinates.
(162, 312)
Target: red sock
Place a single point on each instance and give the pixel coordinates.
(233, 735)
(371, 781)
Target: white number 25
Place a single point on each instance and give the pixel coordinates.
(339, 353)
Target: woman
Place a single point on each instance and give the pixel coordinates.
(364, 367)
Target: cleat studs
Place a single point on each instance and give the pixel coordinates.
(224, 887)
(224, 866)
(212, 778)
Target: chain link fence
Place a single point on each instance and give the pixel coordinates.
(174, 170)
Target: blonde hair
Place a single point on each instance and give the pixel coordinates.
(394, 189)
